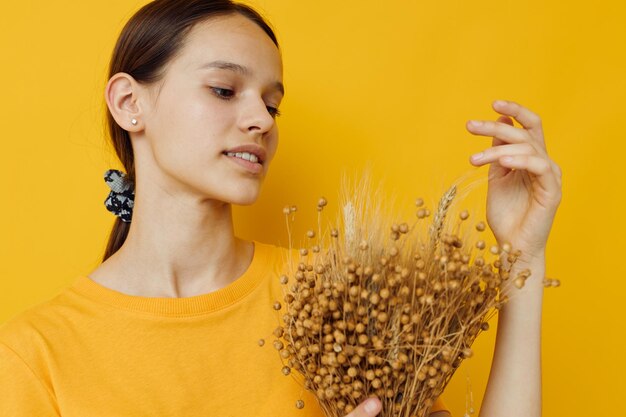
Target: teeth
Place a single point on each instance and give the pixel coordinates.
(244, 155)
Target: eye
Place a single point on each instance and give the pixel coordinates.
(226, 94)
(273, 111)
(223, 93)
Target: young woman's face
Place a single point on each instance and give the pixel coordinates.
(219, 93)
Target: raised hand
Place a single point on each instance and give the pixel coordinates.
(524, 188)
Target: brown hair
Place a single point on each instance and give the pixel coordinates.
(148, 41)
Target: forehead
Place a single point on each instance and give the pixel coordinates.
(232, 38)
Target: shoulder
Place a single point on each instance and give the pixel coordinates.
(23, 321)
(29, 330)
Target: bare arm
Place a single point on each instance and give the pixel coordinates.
(514, 385)
(522, 199)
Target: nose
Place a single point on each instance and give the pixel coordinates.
(256, 117)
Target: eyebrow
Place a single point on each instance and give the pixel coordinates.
(231, 66)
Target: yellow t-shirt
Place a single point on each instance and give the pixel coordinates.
(92, 351)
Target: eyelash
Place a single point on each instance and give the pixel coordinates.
(272, 110)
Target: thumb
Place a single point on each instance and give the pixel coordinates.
(368, 408)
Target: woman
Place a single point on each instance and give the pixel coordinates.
(168, 324)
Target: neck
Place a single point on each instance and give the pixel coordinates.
(178, 248)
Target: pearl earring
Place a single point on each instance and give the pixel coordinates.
(134, 121)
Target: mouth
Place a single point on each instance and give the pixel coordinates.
(249, 152)
(255, 168)
(246, 156)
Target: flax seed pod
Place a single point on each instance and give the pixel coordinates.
(352, 316)
(278, 332)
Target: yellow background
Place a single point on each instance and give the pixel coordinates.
(389, 82)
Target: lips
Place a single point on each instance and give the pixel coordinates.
(250, 148)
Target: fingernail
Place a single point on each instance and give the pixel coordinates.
(476, 122)
(500, 102)
(477, 156)
(370, 406)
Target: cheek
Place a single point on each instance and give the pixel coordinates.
(197, 120)
(208, 120)
(191, 132)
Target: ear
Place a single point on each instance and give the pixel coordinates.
(121, 94)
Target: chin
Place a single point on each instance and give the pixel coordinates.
(243, 196)
(242, 202)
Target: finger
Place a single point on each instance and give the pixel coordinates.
(539, 166)
(528, 119)
(368, 408)
(495, 169)
(494, 153)
(501, 119)
(505, 119)
(503, 131)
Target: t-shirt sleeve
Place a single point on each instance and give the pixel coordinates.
(439, 405)
(22, 393)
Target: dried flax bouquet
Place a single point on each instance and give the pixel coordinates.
(386, 308)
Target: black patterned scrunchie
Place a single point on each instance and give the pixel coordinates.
(121, 198)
